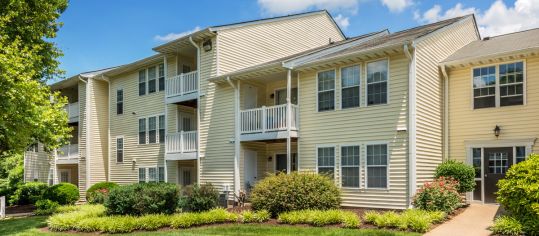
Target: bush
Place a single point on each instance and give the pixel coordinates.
(464, 174)
(144, 198)
(186, 220)
(320, 218)
(28, 193)
(62, 193)
(517, 192)
(412, 219)
(46, 207)
(439, 195)
(199, 198)
(505, 225)
(99, 192)
(255, 217)
(295, 191)
(69, 220)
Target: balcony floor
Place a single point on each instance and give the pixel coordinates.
(181, 98)
(268, 135)
(181, 156)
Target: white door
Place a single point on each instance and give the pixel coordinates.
(186, 176)
(249, 168)
(251, 97)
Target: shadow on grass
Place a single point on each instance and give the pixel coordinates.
(20, 225)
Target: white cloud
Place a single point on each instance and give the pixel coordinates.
(397, 5)
(280, 7)
(342, 21)
(497, 19)
(172, 36)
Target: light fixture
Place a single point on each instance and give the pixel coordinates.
(207, 45)
(272, 95)
(497, 131)
(270, 158)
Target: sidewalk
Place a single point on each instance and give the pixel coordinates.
(473, 221)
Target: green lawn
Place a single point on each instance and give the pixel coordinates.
(31, 225)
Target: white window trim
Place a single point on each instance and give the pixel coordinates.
(388, 95)
(341, 87)
(147, 126)
(123, 100)
(123, 149)
(334, 90)
(147, 80)
(145, 130)
(497, 78)
(164, 76)
(147, 173)
(334, 158)
(387, 165)
(341, 165)
(284, 153)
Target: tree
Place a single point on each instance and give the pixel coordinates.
(29, 111)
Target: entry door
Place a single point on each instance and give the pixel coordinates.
(280, 97)
(251, 97)
(186, 176)
(280, 163)
(496, 162)
(186, 122)
(64, 176)
(249, 168)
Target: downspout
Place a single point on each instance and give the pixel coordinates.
(108, 129)
(236, 137)
(412, 181)
(86, 120)
(198, 106)
(165, 67)
(446, 112)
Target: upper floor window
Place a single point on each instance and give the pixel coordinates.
(161, 77)
(377, 77)
(119, 101)
(142, 131)
(501, 85)
(119, 150)
(152, 78)
(152, 126)
(142, 82)
(350, 77)
(153, 131)
(326, 161)
(326, 90)
(162, 129)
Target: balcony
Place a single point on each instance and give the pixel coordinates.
(268, 123)
(182, 87)
(72, 110)
(181, 145)
(68, 154)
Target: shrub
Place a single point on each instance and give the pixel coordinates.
(99, 192)
(69, 220)
(67, 208)
(320, 218)
(28, 193)
(255, 217)
(505, 225)
(517, 192)
(200, 197)
(439, 195)
(144, 198)
(412, 219)
(295, 191)
(45, 207)
(62, 193)
(464, 174)
(186, 220)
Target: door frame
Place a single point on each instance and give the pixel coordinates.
(59, 175)
(245, 151)
(469, 145)
(180, 174)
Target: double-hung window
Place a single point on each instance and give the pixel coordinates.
(512, 84)
(162, 129)
(152, 129)
(151, 174)
(152, 79)
(377, 73)
(142, 131)
(326, 90)
(350, 166)
(326, 161)
(119, 101)
(161, 171)
(350, 77)
(119, 150)
(484, 87)
(377, 160)
(142, 175)
(141, 82)
(161, 77)
(499, 85)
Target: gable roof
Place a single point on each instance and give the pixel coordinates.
(73, 80)
(496, 46)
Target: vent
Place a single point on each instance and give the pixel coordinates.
(486, 38)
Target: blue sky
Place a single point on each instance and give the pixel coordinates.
(99, 33)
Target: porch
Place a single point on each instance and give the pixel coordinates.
(181, 141)
(68, 154)
(268, 123)
(182, 87)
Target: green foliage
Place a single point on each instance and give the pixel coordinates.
(142, 198)
(518, 193)
(464, 174)
(46, 207)
(11, 174)
(200, 197)
(320, 218)
(63, 193)
(439, 195)
(413, 219)
(218, 215)
(68, 208)
(99, 192)
(68, 221)
(506, 225)
(255, 217)
(295, 191)
(28, 193)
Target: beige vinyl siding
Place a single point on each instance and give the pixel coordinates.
(82, 139)
(429, 94)
(126, 125)
(37, 164)
(359, 126)
(241, 47)
(98, 143)
(467, 124)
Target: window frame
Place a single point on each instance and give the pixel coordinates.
(318, 91)
(334, 159)
(341, 165)
(147, 173)
(120, 102)
(497, 86)
(155, 79)
(155, 129)
(145, 131)
(122, 149)
(388, 163)
(164, 128)
(145, 82)
(388, 95)
(341, 87)
(161, 80)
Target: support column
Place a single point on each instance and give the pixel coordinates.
(237, 139)
(288, 121)
(165, 167)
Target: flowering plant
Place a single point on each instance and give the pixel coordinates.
(438, 195)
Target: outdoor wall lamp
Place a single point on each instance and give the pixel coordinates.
(207, 45)
(272, 96)
(497, 131)
(269, 158)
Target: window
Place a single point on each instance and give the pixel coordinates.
(326, 90)
(152, 132)
(162, 129)
(520, 154)
(152, 76)
(141, 82)
(119, 150)
(119, 101)
(326, 161)
(377, 166)
(498, 162)
(161, 171)
(476, 161)
(142, 131)
(152, 175)
(512, 84)
(280, 96)
(350, 166)
(350, 77)
(161, 77)
(377, 82)
(142, 175)
(484, 87)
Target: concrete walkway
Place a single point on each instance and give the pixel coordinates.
(474, 221)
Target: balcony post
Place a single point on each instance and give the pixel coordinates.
(181, 141)
(288, 121)
(180, 80)
(264, 119)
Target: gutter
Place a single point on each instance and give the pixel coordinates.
(412, 158)
(198, 107)
(446, 112)
(86, 120)
(236, 136)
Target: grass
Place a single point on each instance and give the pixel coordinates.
(29, 226)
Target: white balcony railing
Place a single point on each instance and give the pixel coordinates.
(72, 110)
(267, 119)
(70, 151)
(182, 84)
(181, 142)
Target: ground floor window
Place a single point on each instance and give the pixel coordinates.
(151, 174)
(350, 166)
(377, 172)
(326, 161)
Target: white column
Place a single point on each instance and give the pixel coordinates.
(2, 207)
(288, 121)
(165, 67)
(237, 140)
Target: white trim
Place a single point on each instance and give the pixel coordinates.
(388, 160)
(116, 149)
(412, 127)
(388, 79)
(334, 89)
(341, 166)
(334, 159)
(341, 87)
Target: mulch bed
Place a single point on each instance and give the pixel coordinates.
(20, 209)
